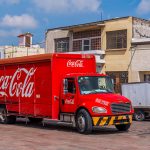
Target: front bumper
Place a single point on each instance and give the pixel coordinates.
(112, 120)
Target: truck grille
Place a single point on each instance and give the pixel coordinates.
(120, 108)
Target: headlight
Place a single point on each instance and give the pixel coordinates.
(99, 110)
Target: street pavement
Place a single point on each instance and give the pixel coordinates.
(22, 136)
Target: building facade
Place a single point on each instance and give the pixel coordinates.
(140, 62)
(19, 51)
(110, 41)
(1, 52)
(24, 48)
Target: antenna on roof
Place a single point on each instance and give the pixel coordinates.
(101, 16)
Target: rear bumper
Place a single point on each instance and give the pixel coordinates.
(112, 120)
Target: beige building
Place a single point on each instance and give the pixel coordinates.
(110, 41)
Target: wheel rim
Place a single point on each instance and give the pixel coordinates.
(81, 123)
(139, 116)
(2, 116)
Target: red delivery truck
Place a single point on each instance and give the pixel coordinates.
(61, 87)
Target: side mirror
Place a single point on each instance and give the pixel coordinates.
(112, 80)
(65, 86)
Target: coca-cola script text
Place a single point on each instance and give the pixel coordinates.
(19, 84)
(77, 63)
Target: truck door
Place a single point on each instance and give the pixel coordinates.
(69, 96)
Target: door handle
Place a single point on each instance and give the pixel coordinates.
(72, 96)
(63, 101)
(56, 98)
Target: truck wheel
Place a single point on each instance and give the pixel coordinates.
(139, 116)
(83, 122)
(6, 119)
(35, 120)
(123, 127)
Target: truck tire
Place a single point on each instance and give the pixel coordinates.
(83, 122)
(123, 127)
(139, 116)
(35, 120)
(6, 119)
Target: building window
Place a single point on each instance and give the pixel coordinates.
(87, 40)
(87, 34)
(116, 39)
(28, 41)
(147, 77)
(70, 87)
(62, 45)
(96, 44)
(77, 45)
(86, 44)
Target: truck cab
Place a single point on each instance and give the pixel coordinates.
(89, 100)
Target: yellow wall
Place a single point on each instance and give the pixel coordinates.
(117, 60)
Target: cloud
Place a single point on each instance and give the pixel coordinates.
(144, 7)
(9, 1)
(8, 33)
(63, 6)
(24, 21)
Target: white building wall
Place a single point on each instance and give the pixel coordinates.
(1, 52)
(16, 51)
(140, 63)
(141, 58)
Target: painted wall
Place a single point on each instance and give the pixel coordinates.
(141, 53)
(1, 52)
(117, 59)
(16, 51)
(140, 62)
(55, 34)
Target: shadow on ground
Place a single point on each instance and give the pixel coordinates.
(65, 127)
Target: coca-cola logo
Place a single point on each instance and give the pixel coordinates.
(76, 64)
(19, 84)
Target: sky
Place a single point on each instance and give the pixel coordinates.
(36, 16)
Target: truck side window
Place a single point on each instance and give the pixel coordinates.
(71, 85)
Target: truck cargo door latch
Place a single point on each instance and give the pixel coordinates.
(63, 101)
(56, 98)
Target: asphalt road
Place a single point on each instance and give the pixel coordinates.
(59, 137)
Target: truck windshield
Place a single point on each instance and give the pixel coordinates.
(95, 84)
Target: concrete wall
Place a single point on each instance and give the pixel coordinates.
(117, 59)
(141, 28)
(1, 52)
(15, 51)
(55, 34)
(140, 62)
(140, 53)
